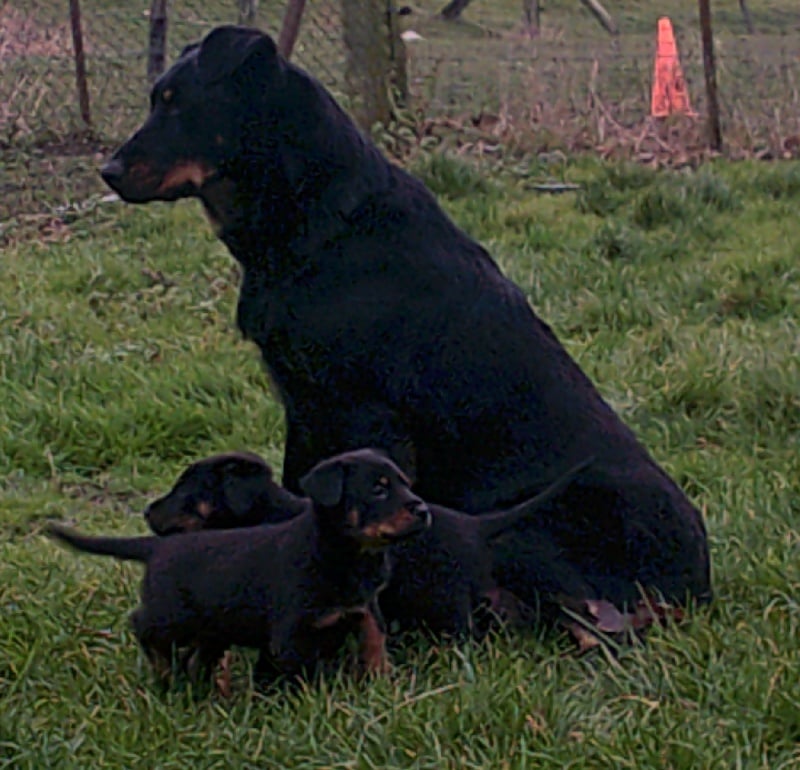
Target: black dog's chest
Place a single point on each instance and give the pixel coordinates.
(260, 310)
(301, 333)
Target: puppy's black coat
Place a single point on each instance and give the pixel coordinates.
(443, 576)
(224, 491)
(288, 589)
(383, 324)
(438, 578)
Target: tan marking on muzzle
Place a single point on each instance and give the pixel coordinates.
(204, 509)
(142, 173)
(393, 526)
(187, 524)
(185, 173)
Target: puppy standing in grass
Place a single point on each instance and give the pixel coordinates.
(293, 590)
(383, 324)
(438, 578)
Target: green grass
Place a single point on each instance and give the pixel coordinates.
(120, 363)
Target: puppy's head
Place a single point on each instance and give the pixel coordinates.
(364, 496)
(220, 492)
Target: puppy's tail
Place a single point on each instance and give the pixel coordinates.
(494, 524)
(132, 548)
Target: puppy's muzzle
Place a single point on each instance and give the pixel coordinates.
(407, 521)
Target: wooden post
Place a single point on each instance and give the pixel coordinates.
(290, 26)
(397, 54)
(532, 14)
(709, 67)
(80, 62)
(454, 9)
(248, 9)
(748, 19)
(602, 15)
(368, 65)
(157, 43)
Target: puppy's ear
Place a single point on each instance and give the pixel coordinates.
(225, 49)
(244, 486)
(324, 484)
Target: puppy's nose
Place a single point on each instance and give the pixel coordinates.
(420, 509)
(148, 512)
(112, 172)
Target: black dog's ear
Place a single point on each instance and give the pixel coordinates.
(324, 483)
(188, 49)
(227, 48)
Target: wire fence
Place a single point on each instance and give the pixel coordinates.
(38, 69)
(480, 78)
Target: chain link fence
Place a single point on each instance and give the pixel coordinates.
(477, 82)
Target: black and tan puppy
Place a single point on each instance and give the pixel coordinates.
(384, 324)
(443, 576)
(224, 491)
(438, 578)
(291, 589)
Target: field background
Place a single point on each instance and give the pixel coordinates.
(478, 86)
(676, 290)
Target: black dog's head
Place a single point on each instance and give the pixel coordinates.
(225, 491)
(365, 496)
(232, 116)
(195, 121)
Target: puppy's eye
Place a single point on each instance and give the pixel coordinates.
(167, 95)
(381, 488)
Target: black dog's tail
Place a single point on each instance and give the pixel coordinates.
(494, 524)
(133, 548)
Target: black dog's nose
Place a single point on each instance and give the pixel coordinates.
(112, 172)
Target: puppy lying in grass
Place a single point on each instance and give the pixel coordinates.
(294, 590)
(438, 579)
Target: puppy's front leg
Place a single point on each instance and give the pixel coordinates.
(372, 641)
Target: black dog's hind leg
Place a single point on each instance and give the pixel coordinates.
(537, 573)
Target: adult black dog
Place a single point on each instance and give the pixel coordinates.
(383, 324)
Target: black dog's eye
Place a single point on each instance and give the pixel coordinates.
(165, 98)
